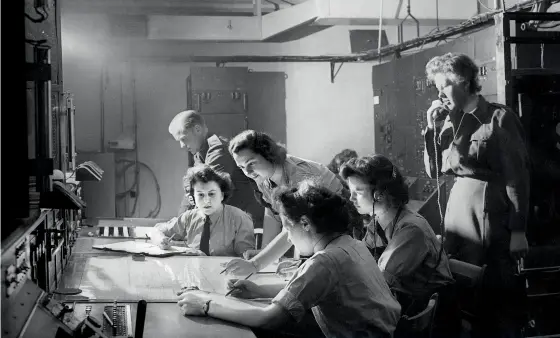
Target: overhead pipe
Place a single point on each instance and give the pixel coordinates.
(475, 23)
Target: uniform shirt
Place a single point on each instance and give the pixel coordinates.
(346, 291)
(488, 145)
(231, 232)
(411, 255)
(293, 171)
(214, 153)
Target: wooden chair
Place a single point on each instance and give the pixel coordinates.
(419, 325)
(469, 279)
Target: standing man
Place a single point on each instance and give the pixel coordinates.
(189, 129)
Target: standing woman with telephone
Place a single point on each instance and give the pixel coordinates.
(481, 144)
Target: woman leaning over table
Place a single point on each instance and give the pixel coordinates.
(341, 282)
(267, 163)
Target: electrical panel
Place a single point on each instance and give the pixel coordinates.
(233, 99)
(220, 95)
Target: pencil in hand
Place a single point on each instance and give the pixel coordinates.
(233, 289)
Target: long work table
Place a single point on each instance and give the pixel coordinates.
(104, 277)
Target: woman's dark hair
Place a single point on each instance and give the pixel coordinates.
(341, 158)
(454, 63)
(326, 210)
(380, 174)
(262, 144)
(205, 174)
(259, 143)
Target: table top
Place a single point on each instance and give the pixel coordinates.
(108, 276)
(120, 277)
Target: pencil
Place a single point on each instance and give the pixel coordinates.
(230, 291)
(224, 270)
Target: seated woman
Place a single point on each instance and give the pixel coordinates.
(267, 164)
(340, 283)
(413, 261)
(358, 223)
(217, 229)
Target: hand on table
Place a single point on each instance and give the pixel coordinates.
(244, 289)
(165, 243)
(238, 266)
(192, 302)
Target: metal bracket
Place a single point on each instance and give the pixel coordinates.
(333, 72)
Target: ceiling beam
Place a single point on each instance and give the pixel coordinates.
(171, 7)
(311, 12)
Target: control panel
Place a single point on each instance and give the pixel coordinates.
(117, 321)
(19, 270)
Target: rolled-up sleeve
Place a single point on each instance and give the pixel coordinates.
(313, 281)
(245, 235)
(403, 255)
(176, 225)
(514, 165)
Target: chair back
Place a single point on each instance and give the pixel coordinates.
(420, 325)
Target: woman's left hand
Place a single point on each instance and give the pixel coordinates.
(192, 302)
(518, 245)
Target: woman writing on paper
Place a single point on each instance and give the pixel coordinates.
(341, 282)
(217, 229)
(270, 167)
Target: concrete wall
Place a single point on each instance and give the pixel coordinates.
(322, 117)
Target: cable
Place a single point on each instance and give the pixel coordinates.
(441, 219)
(44, 15)
(132, 163)
(276, 6)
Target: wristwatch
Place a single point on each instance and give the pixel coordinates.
(206, 307)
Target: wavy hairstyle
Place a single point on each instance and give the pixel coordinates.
(460, 65)
(259, 143)
(326, 210)
(380, 173)
(262, 144)
(341, 158)
(204, 174)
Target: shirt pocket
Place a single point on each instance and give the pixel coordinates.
(478, 147)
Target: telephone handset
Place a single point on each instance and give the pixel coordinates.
(440, 113)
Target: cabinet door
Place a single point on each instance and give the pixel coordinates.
(226, 125)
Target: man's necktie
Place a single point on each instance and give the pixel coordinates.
(205, 237)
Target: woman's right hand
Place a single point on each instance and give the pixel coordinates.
(244, 289)
(435, 113)
(165, 243)
(239, 266)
